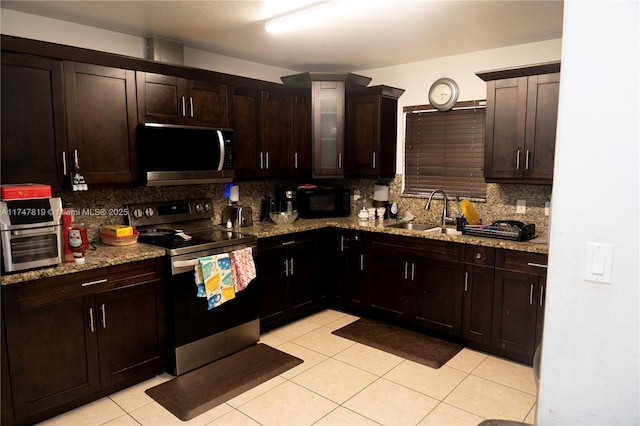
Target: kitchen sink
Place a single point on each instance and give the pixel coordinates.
(423, 227)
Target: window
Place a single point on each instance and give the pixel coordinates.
(445, 150)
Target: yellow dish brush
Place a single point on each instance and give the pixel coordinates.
(469, 212)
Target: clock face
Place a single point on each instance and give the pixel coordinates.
(443, 94)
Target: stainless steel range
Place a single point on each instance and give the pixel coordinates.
(197, 336)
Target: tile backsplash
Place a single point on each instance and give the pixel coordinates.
(99, 207)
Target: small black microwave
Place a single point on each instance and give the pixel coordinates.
(323, 202)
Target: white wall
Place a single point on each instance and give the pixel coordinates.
(590, 358)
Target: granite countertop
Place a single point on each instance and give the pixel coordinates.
(268, 229)
(102, 256)
(105, 255)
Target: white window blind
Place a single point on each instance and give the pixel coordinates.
(445, 150)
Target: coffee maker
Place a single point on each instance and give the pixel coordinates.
(287, 200)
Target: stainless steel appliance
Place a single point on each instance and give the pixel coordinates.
(32, 235)
(181, 155)
(197, 336)
(320, 202)
(238, 215)
(287, 200)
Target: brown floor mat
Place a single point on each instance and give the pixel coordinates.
(193, 393)
(408, 344)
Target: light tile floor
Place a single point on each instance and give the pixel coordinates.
(343, 383)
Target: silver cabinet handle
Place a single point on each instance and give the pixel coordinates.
(374, 159)
(89, 283)
(191, 105)
(526, 161)
(466, 281)
(184, 108)
(267, 160)
(537, 265)
(295, 160)
(531, 295)
(413, 271)
(64, 163)
(340, 160)
(291, 266)
(342, 243)
(104, 316)
(288, 243)
(406, 270)
(541, 296)
(286, 267)
(518, 160)
(75, 159)
(362, 262)
(91, 320)
(261, 167)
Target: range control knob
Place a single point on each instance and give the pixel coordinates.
(137, 213)
(199, 207)
(207, 207)
(148, 212)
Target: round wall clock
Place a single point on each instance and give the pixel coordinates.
(443, 94)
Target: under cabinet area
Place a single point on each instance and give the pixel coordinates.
(174, 100)
(522, 113)
(71, 339)
(287, 272)
(347, 283)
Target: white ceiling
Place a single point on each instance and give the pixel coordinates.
(382, 33)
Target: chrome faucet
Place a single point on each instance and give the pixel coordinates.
(445, 218)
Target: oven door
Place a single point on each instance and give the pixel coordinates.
(197, 335)
(31, 248)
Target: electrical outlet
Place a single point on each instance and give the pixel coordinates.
(521, 206)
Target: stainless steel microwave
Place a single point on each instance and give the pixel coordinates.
(323, 202)
(181, 155)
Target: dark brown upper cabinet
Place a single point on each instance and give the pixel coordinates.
(101, 122)
(371, 132)
(33, 120)
(522, 113)
(174, 100)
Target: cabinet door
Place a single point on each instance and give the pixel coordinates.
(52, 350)
(301, 125)
(328, 128)
(301, 291)
(132, 337)
(438, 294)
(276, 152)
(542, 117)
(207, 104)
(246, 122)
(505, 128)
(477, 303)
(391, 270)
(273, 286)
(161, 98)
(101, 121)
(362, 136)
(514, 312)
(33, 120)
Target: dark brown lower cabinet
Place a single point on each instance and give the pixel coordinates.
(350, 264)
(287, 271)
(518, 303)
(477, 298)
(73, 338)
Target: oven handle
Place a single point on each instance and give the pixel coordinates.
(184, 263)
(37, 231)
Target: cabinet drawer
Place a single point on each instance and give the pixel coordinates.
(53, 289)
(479, 255)
(521, 261)
(285, 241)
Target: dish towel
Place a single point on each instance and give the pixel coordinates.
(243, 269)
(218, 281)
(197, 273)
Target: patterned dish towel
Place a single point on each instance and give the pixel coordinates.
(218, 281)
(243, 269)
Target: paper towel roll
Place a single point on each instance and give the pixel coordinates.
(234, 194)
(381, 192)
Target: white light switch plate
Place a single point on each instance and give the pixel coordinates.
(521, 206)
(598, 264)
